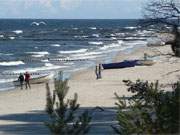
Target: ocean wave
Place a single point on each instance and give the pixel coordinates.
(96, 43)
(18, 31)
(88, 55)
(38, 54)
(45, 60)
(84, 36)
(131, 28)
(55, 45)
(136, 43)
(48, 64)
(6, 54)
(120, 42)
(7, 80)
(114, 38)
(95, 35)
(110, 46)
(144, 32)
(69, 63)
(75, 28)
(134, 38)
(73, 51)
(11, 63)
(1, 36)
(38, 69)
(12, 38)
(92, 28)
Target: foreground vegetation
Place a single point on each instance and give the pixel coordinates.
(149, 111)
(64, 119)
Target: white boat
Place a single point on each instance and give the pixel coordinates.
(35, 80)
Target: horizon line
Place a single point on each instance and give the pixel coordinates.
(76, 18)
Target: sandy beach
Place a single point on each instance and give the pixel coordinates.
(22, 111)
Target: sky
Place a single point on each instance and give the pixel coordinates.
(71, 9)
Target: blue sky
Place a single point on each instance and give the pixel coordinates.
(71, 9)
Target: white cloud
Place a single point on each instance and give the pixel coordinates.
(69, 4)
(42, 3)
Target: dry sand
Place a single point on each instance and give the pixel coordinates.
(20, 109)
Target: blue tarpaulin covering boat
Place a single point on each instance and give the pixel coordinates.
(123, 64)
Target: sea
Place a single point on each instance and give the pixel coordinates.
(47, 46)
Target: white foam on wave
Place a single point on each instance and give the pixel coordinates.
(133, 38)
(131, 28)
(113, 45)
(1, 36)
(12, 38)
(120, 42)
(6, 54)
(96, 43)
(7, 80)
(92, 28)
(69, 63)
(11, 63)
(140, 42)
(113, 38)
(73, 51)
(55, 45)
(95, 35)
(120, 34)
(18, 31)
(38, 69)
(88, 55)
(38, 54)
(144, 32)
(45, 60)
(84, 36)
(48, 65)
(75, 28)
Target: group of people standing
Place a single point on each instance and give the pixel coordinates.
(98, 71)
(24, 78)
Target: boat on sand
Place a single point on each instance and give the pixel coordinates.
(35, 80)
(128, 63)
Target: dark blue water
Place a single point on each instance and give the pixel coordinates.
(41, 46)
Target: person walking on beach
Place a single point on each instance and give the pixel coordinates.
(99, 71)
(96, 72)
(21, 80)
(27, 78)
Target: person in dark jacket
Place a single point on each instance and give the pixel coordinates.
(96, 72)
(99, 71)
(21, 80)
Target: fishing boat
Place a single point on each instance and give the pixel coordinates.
(128, 63)
(123, 64)
(35, 80)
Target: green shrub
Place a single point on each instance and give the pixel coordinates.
(149, 111)
(63, 114)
